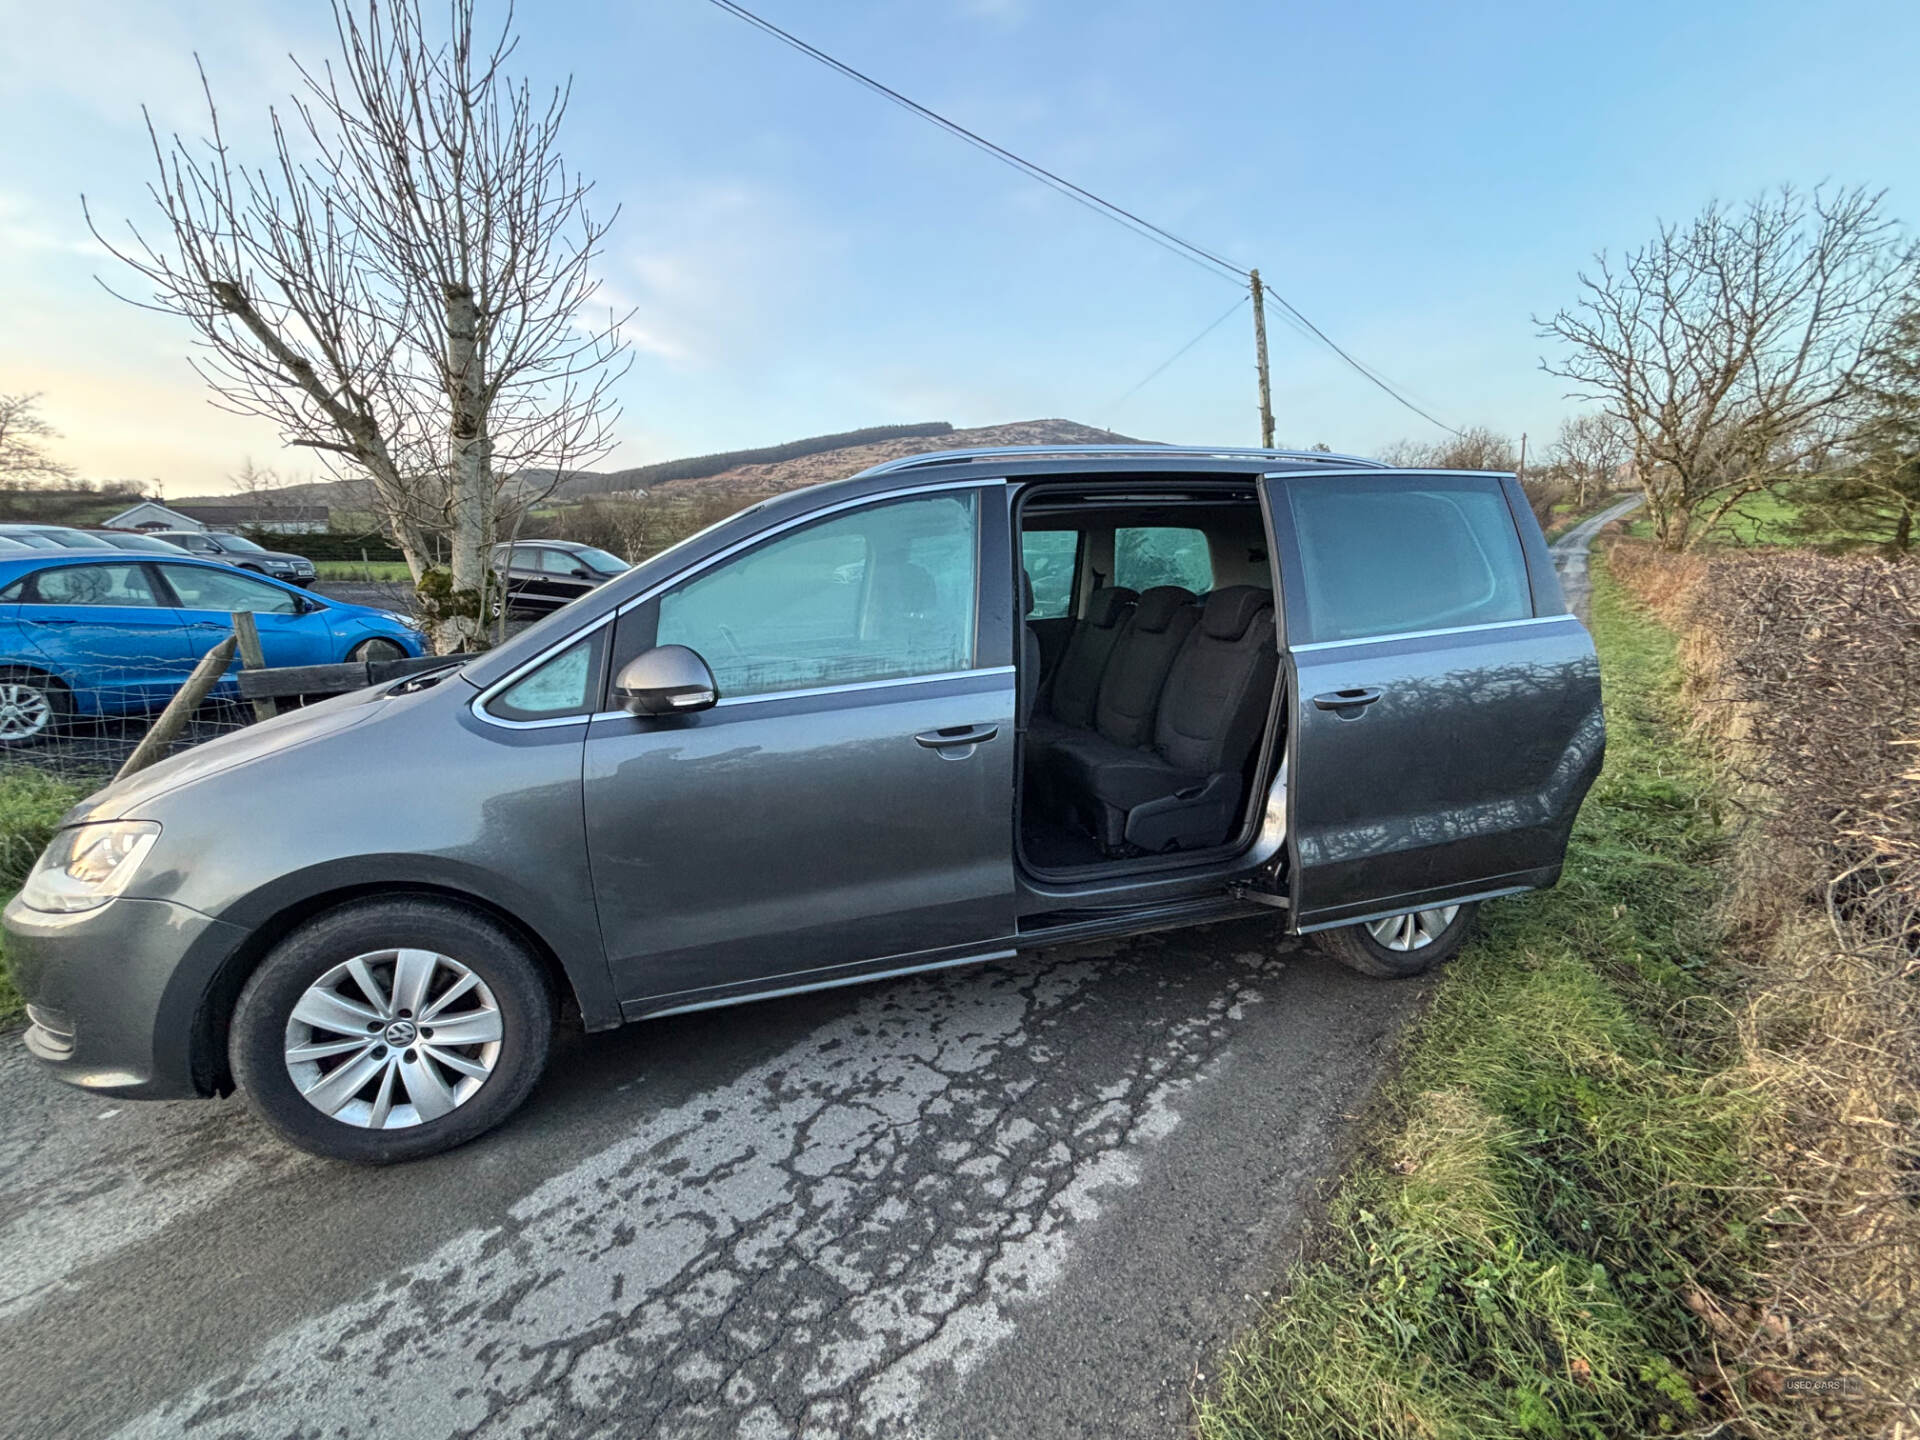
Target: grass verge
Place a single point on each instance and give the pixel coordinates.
(1559, 1173)
(31, 802)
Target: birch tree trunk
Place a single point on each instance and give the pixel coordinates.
(470, 462)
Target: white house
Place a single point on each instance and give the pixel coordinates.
(248, 515)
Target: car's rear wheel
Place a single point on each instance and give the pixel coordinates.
(1400, 945)
(32, 707)
(378, 648)
(391, 1029)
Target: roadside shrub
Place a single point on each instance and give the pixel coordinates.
(1806, 669)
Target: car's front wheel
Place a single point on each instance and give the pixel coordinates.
(378, 648)
(391, 1029)
(1400, 945)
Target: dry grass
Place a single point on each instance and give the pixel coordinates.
(1806, 670)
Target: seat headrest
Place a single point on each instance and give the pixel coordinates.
(1108, 604)
(1231, 609)
(1157, 607)
(1026, 593)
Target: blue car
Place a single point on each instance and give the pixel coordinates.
(88, 633)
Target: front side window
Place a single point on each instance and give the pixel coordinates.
(1148, 555)
(87, 585)
(1049, 556)
(204, 588)
(879, 594)
(1387, 555)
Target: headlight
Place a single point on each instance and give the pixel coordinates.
(87, 866)
(407, 620)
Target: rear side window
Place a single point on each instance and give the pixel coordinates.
(1385, 555)
(1049, 556)
(89, 585)
(1145, 556)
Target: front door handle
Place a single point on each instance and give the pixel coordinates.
(951, 736)
(1347, 704)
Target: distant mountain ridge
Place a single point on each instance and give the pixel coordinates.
(758, 471)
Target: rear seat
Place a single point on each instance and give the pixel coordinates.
(1180, 711)
(1075, 687)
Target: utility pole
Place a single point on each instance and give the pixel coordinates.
(1522, 474)
(1260, 358)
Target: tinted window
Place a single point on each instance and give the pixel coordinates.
(1049, 556)
(1146, 556)
(205, 588)
(878, 594)
(1382, 556)
(91, 585)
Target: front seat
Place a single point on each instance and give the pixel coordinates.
(1184, 791)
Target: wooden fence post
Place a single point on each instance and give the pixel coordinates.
(252, 657)
(174, 718)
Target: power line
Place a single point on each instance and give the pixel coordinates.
(1327, 340)
(1166, 239)
(1166, 364)
(1146, 229)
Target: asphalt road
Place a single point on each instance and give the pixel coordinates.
(1031, 1199)
(1571, 550)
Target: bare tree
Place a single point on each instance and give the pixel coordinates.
(403, 288)
(23, 455)
(1476, 448)
(1728, 348)
(1588, 452)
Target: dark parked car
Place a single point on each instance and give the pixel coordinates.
(542, 575)
(239, 551)
(138, 540)
(53, 537)
(831, 739)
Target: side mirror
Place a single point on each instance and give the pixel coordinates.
(666, 680)
(579, 574)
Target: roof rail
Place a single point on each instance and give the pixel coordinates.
(1069, 452)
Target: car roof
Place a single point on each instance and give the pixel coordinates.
(33, 559)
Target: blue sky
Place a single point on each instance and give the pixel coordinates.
(803, 257)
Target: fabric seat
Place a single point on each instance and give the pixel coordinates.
(1075, 688)
(1129, 692)
(1029, 676)
(1184, 790)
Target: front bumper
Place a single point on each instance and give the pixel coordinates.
(113, 994)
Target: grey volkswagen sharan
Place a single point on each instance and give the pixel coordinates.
(957, 706)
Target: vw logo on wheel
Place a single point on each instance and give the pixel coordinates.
(402, 1033)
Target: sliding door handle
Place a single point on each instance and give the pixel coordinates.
(952, 736)
(1347, 703)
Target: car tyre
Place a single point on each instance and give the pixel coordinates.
(1403, 946)
(506, 981)
(33, 708)
(378, 648)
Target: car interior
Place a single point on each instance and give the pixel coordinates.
(1148, 672)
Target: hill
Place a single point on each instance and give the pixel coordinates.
(757, 472)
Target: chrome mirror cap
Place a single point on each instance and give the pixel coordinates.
(666, 680)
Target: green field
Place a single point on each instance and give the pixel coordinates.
(389, 572)
(1764, 519)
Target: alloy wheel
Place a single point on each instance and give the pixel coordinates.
(1413, 931)
(25, 710)
(393, 1038)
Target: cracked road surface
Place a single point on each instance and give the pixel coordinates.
(1030, 1199)
(1027, 1199)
